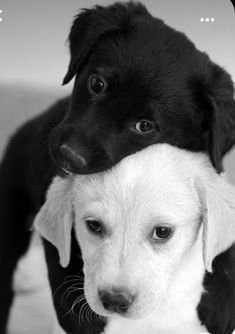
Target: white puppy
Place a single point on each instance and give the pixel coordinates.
(147, 229)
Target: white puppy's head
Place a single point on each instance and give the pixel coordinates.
(136, 222)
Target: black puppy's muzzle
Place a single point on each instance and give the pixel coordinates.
(75, 159)
(74, 155)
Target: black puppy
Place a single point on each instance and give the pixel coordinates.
(137, 82)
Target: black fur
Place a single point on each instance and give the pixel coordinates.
(217, 307)
(153, 73)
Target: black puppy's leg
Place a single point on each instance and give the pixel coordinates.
(14, 234)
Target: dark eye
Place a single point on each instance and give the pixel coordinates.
(96, 84)
(94, 226)
(162, 233)
(144, 126)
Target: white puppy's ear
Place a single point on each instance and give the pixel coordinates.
(217, 199)
(54, 220)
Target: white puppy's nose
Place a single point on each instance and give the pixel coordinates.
(116, 299)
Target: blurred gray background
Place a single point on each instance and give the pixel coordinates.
(34, 54)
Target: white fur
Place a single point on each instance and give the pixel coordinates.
(177, 313)
(159, 185)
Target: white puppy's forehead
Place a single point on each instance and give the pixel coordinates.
(157, 180)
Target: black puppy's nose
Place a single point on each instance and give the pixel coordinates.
(72, 158)
(116, 300)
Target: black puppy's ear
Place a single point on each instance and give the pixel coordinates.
(222, 117)
(92, 24)
(215, 95)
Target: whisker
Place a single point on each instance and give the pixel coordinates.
(64, 283)
(81, 313)
(69, 291)
(78, 300)
(76, 284)
(86, 311)
(89, 314)
(74, 288)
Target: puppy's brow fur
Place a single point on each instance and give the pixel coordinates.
(159, 185)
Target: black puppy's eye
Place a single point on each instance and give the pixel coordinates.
(96, 84)
(94, 226)
(144, 126)
(162, 233)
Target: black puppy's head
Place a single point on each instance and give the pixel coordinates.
(139, 82)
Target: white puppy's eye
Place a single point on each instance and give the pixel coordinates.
(162, 233)
(94, 226)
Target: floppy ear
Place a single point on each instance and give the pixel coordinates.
(217, 99)
(222, 125)
(54, 220)
(93, 24)
(217, 199)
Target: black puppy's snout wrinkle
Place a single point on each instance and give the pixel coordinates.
(71, 158)
(116, 300)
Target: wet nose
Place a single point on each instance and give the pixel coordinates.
(72, 158)
(116, 300)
